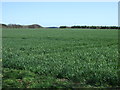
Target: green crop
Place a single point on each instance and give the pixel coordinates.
(88, 57)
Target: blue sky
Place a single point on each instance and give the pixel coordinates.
(60, 13)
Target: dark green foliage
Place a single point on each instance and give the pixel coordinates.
(13, 78)
(63, 26)
(95, 27)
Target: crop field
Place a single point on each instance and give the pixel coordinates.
(60, 58)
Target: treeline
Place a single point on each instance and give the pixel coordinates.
(20, 26)
(39, 26)
(92, 27)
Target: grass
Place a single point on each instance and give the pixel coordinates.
(60, 57)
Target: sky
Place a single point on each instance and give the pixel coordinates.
(49, 14)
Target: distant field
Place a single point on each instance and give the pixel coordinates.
(35, 58)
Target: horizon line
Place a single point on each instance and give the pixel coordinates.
(55, 26)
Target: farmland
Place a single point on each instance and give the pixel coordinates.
(46, 58)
